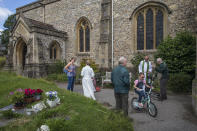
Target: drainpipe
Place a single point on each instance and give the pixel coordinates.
(112, 39)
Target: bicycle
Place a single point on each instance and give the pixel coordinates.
(147, 104)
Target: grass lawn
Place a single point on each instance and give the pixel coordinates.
(2, 61)
(76, 113)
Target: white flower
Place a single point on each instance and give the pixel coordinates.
(38, 107)
(44, 128)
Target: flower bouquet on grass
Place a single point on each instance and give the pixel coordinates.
(29, 94)
(17, 97)
(38, 94)
(52, 100)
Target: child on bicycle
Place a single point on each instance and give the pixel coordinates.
(139, 86)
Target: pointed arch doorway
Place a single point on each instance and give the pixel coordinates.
(21, 52)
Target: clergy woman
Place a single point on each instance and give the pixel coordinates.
(87, 82)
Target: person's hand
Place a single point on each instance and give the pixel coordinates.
(139, 89)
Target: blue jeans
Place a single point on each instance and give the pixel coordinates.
(141, 94)
(71, 80)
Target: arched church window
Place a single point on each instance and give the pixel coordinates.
(87, 39)
(51, 50)
(84, 36)
(54, 51)
(140, 32)
(159, 27)
(81, 39)
(150, 27)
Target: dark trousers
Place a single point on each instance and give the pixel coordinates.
(71, 80)
(163, 84)
(122, 102)
(141, 94)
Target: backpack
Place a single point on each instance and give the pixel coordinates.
(65, 71)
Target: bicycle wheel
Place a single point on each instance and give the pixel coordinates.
(152, 109)
(134, 101)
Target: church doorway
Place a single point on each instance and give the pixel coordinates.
(21, 51)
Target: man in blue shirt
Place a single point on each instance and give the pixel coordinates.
(121, 84)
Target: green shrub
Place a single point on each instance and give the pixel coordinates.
(93, 65)
(9, 114)
(179, 53)
(2, 61)
(17, 96)
(57, 67)
(180, 82)
(135, 61)
(57, 77)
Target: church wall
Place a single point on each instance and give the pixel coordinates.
(41, 56)
(35, 14)
(181, 18)
(43, 44)
(65, 15)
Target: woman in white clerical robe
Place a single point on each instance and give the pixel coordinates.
(87, 82)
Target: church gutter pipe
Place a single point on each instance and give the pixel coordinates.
(112, 39)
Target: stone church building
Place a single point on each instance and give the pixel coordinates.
(50, 30)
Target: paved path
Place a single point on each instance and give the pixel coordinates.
(174, 114)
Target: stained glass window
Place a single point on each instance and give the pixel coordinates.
(51, 50)
(149, 29)
(159, 27)
(140, 32)
(81, 39)
(54, 51)
(87, 39)
(84, 36)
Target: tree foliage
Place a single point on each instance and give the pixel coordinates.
(136, 59)
(179, 53)
(93, 65)
(57, 67)
(180, 82)
(8, 25)
(135, 62)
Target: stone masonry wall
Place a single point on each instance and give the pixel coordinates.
(181, 18)
(44, 42)
(65, 15)
(35, 14)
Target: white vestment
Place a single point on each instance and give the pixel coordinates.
(88, 88)
(145, 67)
